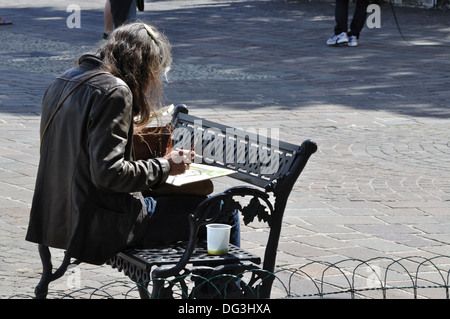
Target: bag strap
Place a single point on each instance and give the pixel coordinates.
(58, 107)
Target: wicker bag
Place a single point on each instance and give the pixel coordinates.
(152, 142)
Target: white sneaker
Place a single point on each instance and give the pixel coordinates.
(340, 39)
(352, 41)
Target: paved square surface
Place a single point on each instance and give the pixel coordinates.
(379, 185)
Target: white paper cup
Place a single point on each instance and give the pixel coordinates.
(218, 238)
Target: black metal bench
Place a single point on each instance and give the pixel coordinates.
(272, 166)
(268, 166)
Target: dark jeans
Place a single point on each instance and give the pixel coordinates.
(359, 17)
(169, 222)
(123, 11)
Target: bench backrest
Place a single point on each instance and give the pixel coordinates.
(259, 160)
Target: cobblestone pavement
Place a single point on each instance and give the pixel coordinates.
(379, 185)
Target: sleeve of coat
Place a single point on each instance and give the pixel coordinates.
(109, 126)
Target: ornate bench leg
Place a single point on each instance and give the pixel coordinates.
(143, 291)
(41, 289)
(164, 288)
(157, 291)
(48, 276)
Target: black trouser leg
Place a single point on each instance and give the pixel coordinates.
(169, 223)
(341, 16)
(359, 17)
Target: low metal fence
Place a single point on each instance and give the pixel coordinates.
(412, 277)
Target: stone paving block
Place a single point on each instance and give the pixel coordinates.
(321, 241)
(382, 245)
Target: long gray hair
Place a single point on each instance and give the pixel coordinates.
(138, 54)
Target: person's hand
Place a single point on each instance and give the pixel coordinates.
(179, 161)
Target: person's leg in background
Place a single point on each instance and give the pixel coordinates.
(358, 21)
(120, 10)
(131, 16)
(341, 16)
(340, 29)
(108, 20)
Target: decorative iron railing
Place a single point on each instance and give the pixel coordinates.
(411, 277)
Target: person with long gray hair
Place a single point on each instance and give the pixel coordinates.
(88, 197)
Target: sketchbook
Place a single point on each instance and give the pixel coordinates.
(198, 172)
